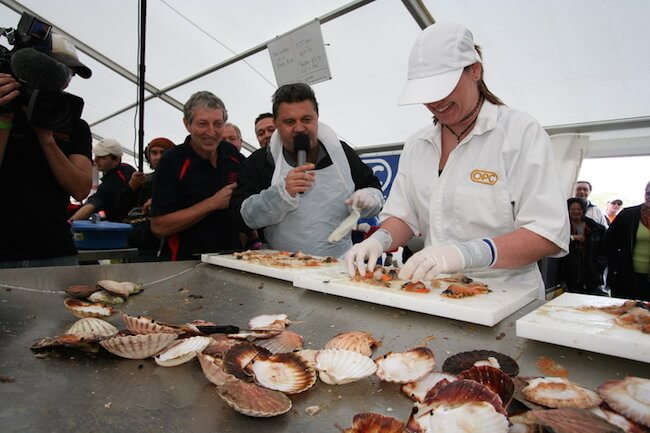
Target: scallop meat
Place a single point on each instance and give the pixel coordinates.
(558, 392)
(339, 366)
(124, 288)
(404, 367)
(83, 309)
(357, 341)
(629, 397)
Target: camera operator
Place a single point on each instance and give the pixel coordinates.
(40, 168)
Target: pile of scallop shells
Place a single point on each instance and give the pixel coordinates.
(256, 370)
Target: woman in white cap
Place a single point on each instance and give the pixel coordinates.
(479, 183)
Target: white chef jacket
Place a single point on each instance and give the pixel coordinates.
(500, 177)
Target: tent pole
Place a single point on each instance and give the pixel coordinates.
(141, 82)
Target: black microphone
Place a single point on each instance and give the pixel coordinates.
(39, 70)
(301, 146)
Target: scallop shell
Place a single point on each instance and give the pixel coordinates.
(146, 325)
(557, 392)
(138, 346)
(78, 341)
(404, 367)
(81, 291)
(629, 397)
(567, 420)
(105, 297)
(255, 334)
(375, 423)
(125, 288)
(604, 411)
(309, 356)
(474, 417)
(465, 360)
(493, 378)
(269, 321)
(284, 342)
(339, 366)
(284, 372)
(83, 309)
(357, 341)
(418, 390)
(239, 356)
(220, 345)
(213, 369)
(460, 392)
(182, 351)
(92, 326)
(253, 400)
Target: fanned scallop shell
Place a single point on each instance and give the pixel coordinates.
(465, 360)
(146, 325)
(92, 326)
(84, 309)
(628, 426)
(284, 342)
(404, 367)
(284, 372)
(558, 392)
(357, 341)
(418, 390)
(474, 417)
(239, 356)
(182, 351)
(220, 345)
(339, 366)
(213, 369)
(493, 378)
(255, 334)
(253, 400)
(630, 397)
(567, 420)
(124, 288)
(78, 341)
(81, 290)
(105, 297)
(269, 321)
(375, 423)
(309, 356)
(138, 346)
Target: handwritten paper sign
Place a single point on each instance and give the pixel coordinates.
(299, 56)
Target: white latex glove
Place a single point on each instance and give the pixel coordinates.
(363, 199)
(371, 249)
(431, 261)
(449, 259)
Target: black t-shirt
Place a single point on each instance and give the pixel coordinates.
(113, 182)
(257, 172)
(34, 218)
(184, 179)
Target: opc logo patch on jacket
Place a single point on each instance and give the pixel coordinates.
(483, 176)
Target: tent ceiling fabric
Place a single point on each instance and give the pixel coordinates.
(564, 62)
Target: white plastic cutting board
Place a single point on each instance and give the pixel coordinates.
(487, 309)
(559, 322)
(286, 274)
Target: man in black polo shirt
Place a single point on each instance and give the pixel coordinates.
(300, 205)
(39, 170)
(108, 158)
(193, 185)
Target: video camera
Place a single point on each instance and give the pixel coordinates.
(42, 77)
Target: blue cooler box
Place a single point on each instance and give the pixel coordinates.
(101, 235)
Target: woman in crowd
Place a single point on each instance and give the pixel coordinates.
(628, 252)
(479, 183)
(582, 269)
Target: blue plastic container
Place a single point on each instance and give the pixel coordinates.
(102, 235)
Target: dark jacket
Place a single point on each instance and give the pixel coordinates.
(620, 241)
(582, 269)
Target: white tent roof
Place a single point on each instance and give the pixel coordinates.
(576, 65)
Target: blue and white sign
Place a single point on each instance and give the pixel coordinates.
(384, 166)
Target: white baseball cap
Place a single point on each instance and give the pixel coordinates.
(437, 60)
(107, 146)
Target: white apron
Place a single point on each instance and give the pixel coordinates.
(321, 209)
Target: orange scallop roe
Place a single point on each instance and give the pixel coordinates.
(549, 367)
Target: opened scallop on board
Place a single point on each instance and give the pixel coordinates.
(484, 309)
(565, 321)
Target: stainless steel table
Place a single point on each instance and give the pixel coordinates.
(113, 254)
(68, 391)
